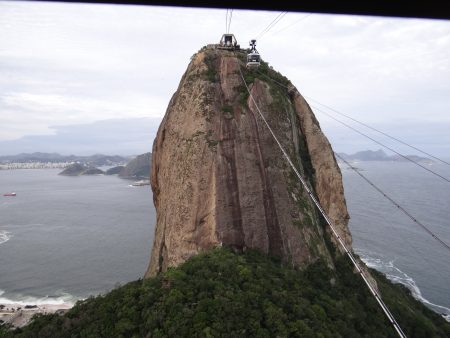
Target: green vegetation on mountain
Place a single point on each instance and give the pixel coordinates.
(138, 168)
(77, 169)
(224, 294)
(114, 170)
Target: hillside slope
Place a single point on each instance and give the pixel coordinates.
(223, 294)
(137, 168)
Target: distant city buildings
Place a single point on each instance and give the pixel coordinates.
(34, 165)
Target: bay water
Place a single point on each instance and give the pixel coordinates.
(387, 240)
(66, 238)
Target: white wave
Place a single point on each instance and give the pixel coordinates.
(22, 225)
(5, 236)
(398, 276)
(65, 299)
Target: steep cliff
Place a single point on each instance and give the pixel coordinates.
(219, 178)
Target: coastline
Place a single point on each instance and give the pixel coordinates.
(19, 315)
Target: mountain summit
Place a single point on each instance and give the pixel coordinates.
(219, 178)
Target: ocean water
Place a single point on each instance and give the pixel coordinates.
(65, 238)
(387, 240)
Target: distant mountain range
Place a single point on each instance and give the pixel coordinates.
(380, 155)
(93, 160)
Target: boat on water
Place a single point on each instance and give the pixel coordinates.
(10, 194)
(141, 183)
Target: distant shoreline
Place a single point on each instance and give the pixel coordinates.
(34, 165)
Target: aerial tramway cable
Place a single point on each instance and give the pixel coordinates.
(367, 136)
(271, 25)
(382, 144)
(373, 291)
(378, 131)
(226, 22)
(229, 17)
(362, 123)
(445, 245)
(294, 23)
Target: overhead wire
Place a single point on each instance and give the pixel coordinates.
(445, 245)
(374, 292)
(396, 204)
(355, 120)
(367, 136)
(424, 227)
(379, 131)
(382, 144)
(362, 123)
(294, 23)
(271, 25)
(226, 22)
(229, 21)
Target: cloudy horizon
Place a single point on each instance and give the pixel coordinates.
(124, 137)
(66, 64)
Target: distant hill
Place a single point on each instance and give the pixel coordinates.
(138, 168)
(380, 155)
(93, 160)
(78, 169)
(92, 171)
(114, 170)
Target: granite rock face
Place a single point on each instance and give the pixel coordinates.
(219, 178)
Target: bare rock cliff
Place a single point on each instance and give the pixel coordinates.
(219, 178)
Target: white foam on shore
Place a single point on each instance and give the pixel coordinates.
(5, 236)
(398, 276)
(66, 300)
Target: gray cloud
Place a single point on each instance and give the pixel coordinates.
(65, 64)
(112, 137)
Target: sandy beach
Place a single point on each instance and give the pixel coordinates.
(19, 315)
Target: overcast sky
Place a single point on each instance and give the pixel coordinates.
(65, 64)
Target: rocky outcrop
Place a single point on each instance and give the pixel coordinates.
(77, 169)
(138, 168)
(219, 178)
(93, 171)
(74, 169)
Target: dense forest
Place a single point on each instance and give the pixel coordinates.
(226, 294)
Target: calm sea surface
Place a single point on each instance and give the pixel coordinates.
(65, 238)
(387, 240)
